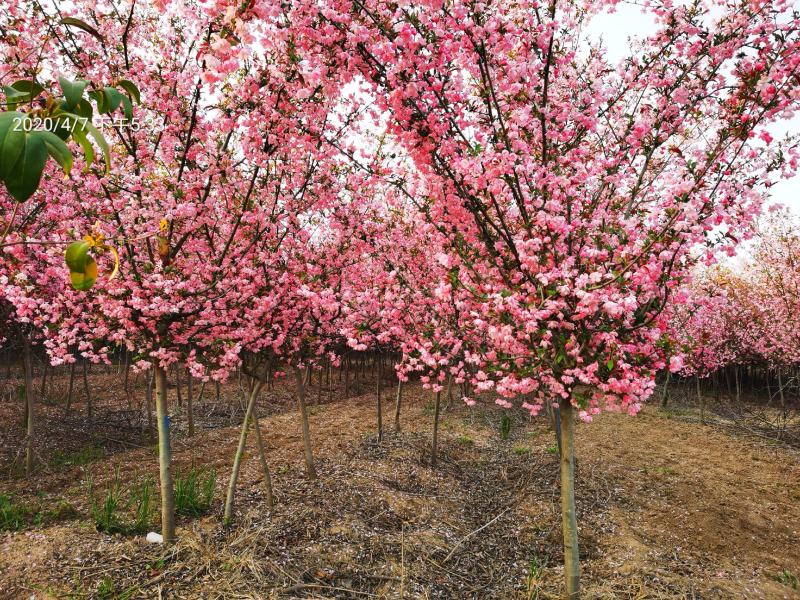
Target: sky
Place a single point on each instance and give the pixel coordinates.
(628, 21)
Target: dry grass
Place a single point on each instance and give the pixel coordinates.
(668, 509)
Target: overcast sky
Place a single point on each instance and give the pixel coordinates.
(628, 21)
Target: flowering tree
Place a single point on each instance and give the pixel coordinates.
(575, 193)
(198, 202)
(747, 317)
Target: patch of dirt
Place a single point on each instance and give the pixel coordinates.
(667, 509)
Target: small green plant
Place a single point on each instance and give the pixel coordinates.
(786, 577)
(106, 512)
(109, 512)
(142, 500)
(12, 516)
(106, 589)
(194, 491)
(534, 579)
(552, 449)
(465, 439)
(156, 565)
(82, 457)
(521, 450)
(505, 427)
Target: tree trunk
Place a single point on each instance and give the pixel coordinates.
(164, 457)
(127, 378)
(70, 387)
(178, 385)
(738, 386)
(769, 388)
(299, 377)
(449, 392)
(435, 444)
(782, 399)
(702, 401)
(665, 391)
(149, 402)
(237, 459)
(347, 378)
(557, 427)
(86, 389)
(202, 389)
(45, 369)
(397, 402)
(380, 404)
(26, 361)
(190, 402)
(569, 522)
(262, 455)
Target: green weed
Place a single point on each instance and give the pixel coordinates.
(12, 516)
(82, 457)
(505, 427)
(194, 491)
(786, 577)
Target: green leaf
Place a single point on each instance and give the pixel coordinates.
(84, 109)
(101, 141)
(73, 91)
(127, 107)
(102, 101)
(73, 22)
(12, 140)
(131, 89)
(23, 179)
(610, 364)
(82, 281)
(21, 92)
(79, 135)
(56, 148)
(113, 98)
(77, 256)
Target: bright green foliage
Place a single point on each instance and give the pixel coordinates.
(505, 427)
(28, 138)
(194, 491)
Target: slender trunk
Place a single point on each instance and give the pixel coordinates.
(164, 457)
(26, 361)
(70, 387)
(769, 388)
(178, 385)
(557, 427)
(216, 385)
(45, 369)
(149, 402)
(702, 401)
(449, 391)
(190, 402)
(347, 378)
(262, 455)
(299, 377)
(435, 444)
(397, 402)
(380, 404)
(237, 459)
(738, 386)
(782, 399)
(665, 391)
(86, 389)
(569, 521)
(200, 394)
(127, 378)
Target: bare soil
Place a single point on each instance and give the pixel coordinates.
(668, 508)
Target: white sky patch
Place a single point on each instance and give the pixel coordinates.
(629, 22)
